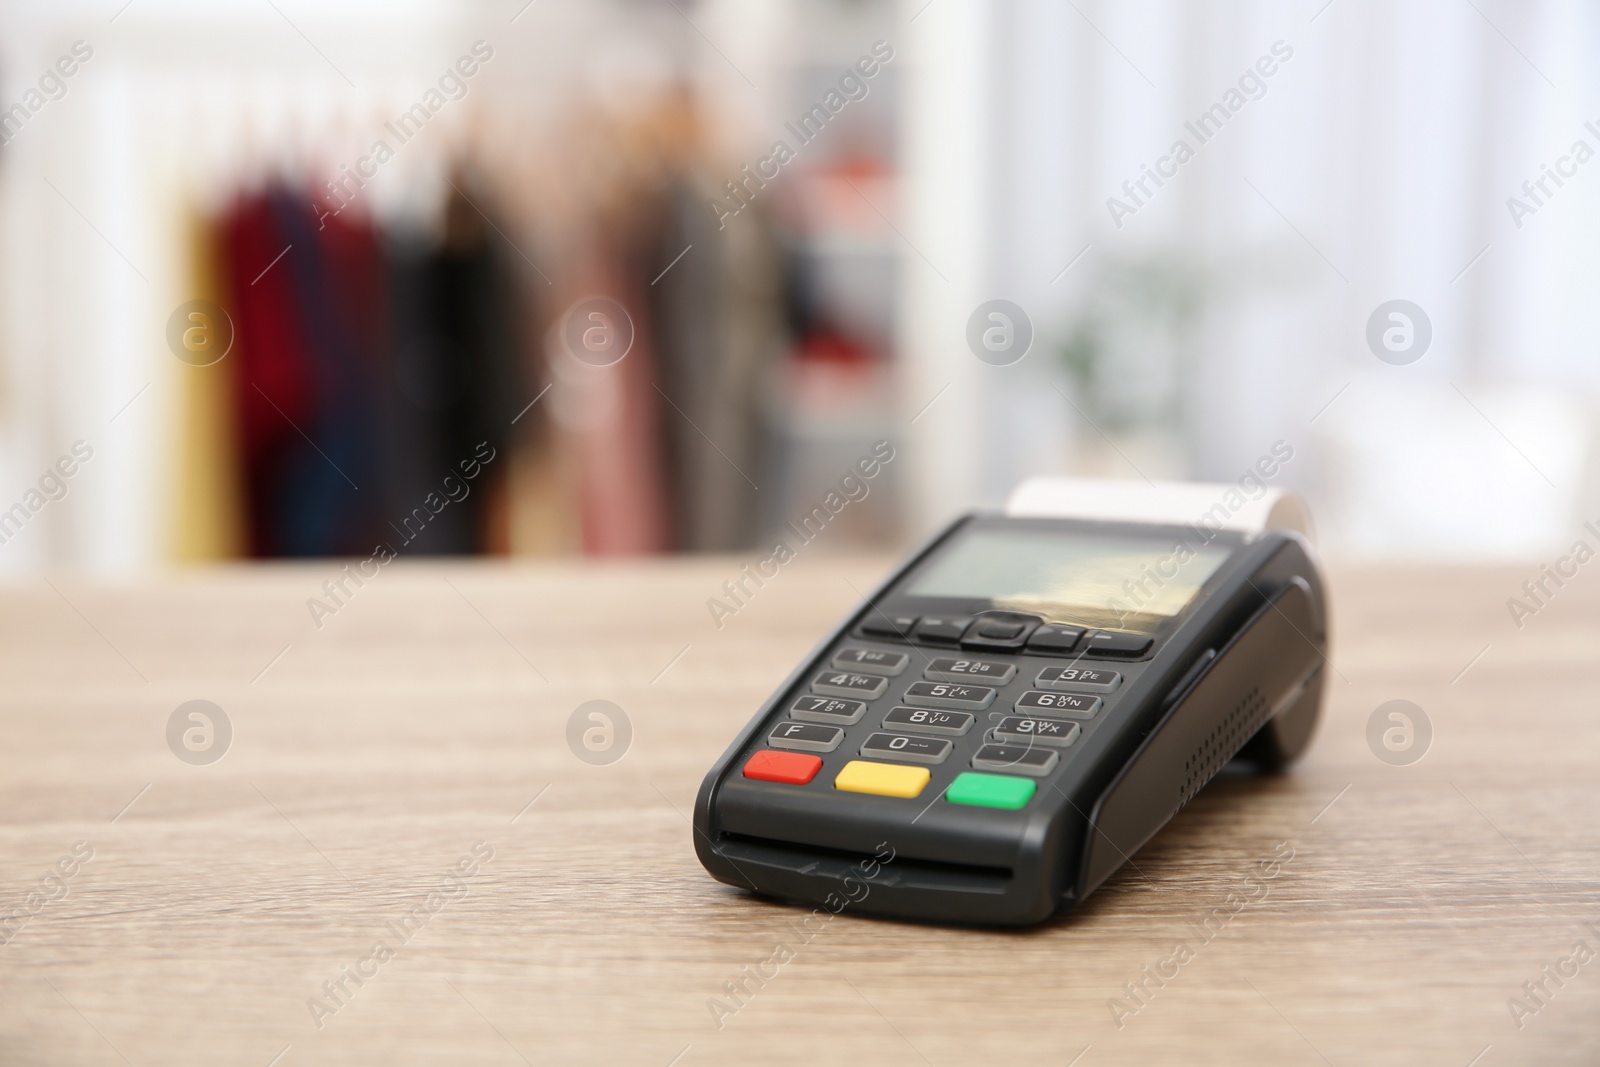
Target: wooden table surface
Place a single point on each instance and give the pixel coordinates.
(207, 905)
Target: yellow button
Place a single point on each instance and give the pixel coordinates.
(881, 779)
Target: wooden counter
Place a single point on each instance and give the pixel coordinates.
(427, 718)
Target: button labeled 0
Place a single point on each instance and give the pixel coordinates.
(906, 747)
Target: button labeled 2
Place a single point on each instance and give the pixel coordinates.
(951, 669)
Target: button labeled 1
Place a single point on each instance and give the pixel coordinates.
(871, 660)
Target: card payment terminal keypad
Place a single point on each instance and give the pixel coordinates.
(994, 705)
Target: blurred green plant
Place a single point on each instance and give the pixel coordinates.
(1129, 345)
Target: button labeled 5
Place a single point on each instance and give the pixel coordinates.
(949, 695)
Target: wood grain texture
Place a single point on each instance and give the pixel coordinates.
(425, 715)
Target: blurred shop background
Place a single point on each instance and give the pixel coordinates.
(285, 279)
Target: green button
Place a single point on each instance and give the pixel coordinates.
(991, 791)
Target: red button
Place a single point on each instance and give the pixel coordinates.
(791, 768)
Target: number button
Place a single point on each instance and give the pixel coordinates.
(871, 661)
(826, 709)
(934, 722)
(1072, 705)
(951, 669)
(1057, 732)
(906, 747)
(949, 695)
(1078, 679)
(849, 684)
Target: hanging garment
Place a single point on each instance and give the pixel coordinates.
(718, 317)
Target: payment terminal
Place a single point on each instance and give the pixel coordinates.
(1025, 702)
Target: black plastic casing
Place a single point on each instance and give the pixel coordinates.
(1238, 673)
